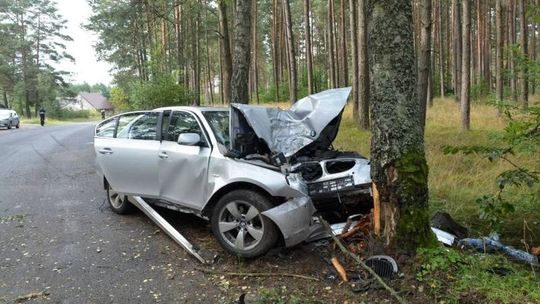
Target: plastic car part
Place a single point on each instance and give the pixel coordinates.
(203, 256)
(383, 265)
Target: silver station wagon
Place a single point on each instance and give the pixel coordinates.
(259, 174)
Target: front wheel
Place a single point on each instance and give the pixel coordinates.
(240, 227)
(119, 203)
(9, 125)
(18, 125)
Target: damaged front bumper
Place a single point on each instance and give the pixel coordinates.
(294, 219)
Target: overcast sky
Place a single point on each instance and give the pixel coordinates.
(86, 67)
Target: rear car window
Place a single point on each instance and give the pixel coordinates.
(106, 128)
(138, 126)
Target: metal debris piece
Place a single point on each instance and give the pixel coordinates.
(444, 237)
(203, 256)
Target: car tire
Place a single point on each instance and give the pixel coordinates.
(18, 125)
(239, 226)
(9, 125)
(118, 203)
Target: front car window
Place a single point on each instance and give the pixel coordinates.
(183, 122)
(106, 128)
(219, 123)
(138, 126)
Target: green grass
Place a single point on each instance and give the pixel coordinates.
(57, 122)
(451, 275)
(456, 181)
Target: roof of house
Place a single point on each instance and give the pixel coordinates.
(97, 100)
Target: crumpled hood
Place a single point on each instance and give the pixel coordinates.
(311, 121)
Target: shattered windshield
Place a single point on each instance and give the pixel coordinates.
(219, 122)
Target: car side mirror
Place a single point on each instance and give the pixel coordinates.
(189, 139)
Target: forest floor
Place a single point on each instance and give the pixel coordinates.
(439, 275)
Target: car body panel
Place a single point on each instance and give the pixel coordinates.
(132, 165)
(312, 120)
(294, 219)
(183, 174)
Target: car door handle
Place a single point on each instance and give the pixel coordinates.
(106, 151)
(163, 155)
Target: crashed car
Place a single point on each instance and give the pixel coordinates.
(258, 174)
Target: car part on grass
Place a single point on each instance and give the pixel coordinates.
(383, 265)
(444, 222)
(443, 236)
(203, 256)
(492, 244)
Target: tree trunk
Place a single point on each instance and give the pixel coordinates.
(424, 57)
(532, 54)
(275, 46)
(195, 21)
(440, 47)
(239, 82)
(291, 52)
(309, 55)
(465, 66)
(330, 43)
(255, 52)
(209, 73)
(499, 54)
(398, 165)
(524, 81)
(511, 42)
(6, 102)
(344, 73)
(354, 51)
(226, 48)
(456, 33)
(363, 65)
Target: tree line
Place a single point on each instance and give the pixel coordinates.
(181, 51)
(32, 41)
(464, 49)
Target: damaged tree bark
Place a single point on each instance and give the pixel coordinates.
(398, 164)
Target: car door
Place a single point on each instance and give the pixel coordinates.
(183, 169)
(129, 159)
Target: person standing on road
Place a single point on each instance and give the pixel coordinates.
(102, 114)
(42, 116)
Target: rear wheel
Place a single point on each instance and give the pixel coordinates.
(119, 203)
(240, 227)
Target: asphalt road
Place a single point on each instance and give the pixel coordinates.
(60, 242)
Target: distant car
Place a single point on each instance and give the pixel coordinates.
(9, 118)
(258, 174)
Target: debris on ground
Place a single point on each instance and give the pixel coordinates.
(493, 244)
(31, 296)
(383, 265)
(443, 221)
